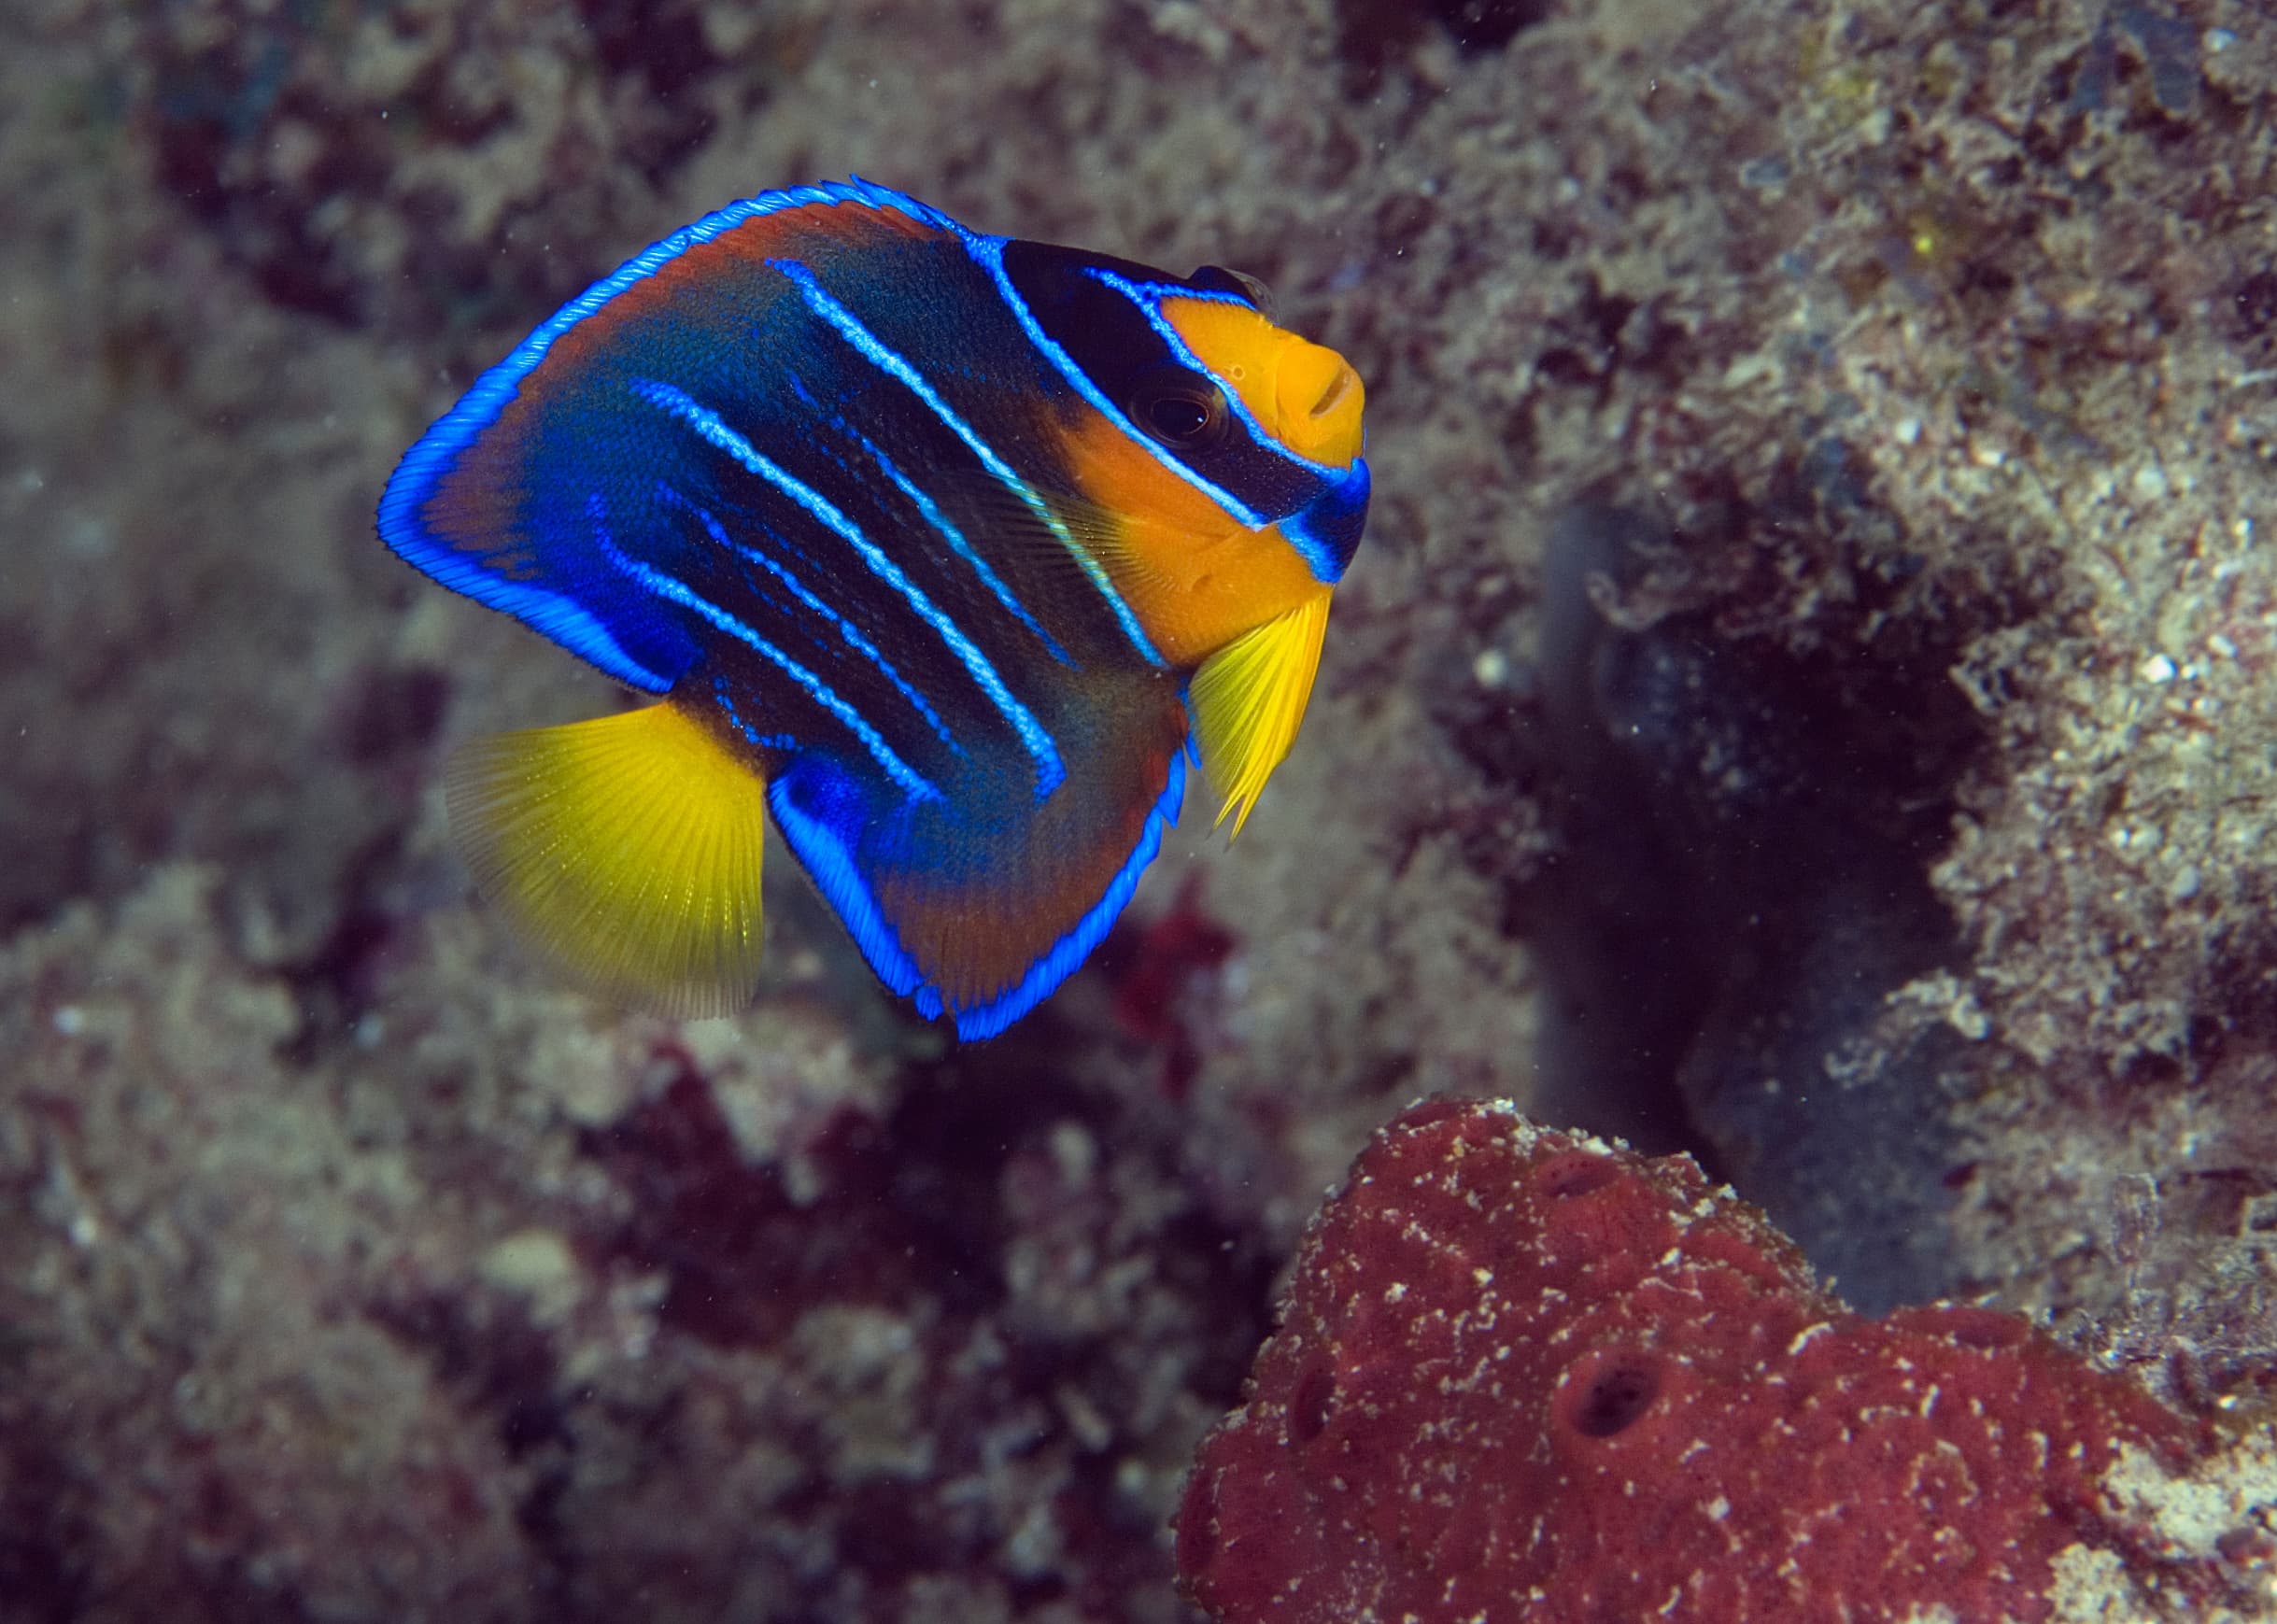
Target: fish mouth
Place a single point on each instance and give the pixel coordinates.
(1338, 386)
(1321, 398)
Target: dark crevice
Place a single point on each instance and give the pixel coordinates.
(500, 1365)
(338, 983)
(44, 1532)
(1745, 827)
(1372, 36)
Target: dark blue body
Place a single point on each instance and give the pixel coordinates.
(802, 468)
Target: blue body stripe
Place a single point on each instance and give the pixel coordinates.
(713, 428)
(1050, 772)
(957, 544)
(863, 340)
(758, 741)
(674, 590)
(846, 629)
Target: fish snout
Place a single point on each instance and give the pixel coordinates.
(1319, 400)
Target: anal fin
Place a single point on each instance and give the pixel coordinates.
(978, 904)
(625, 851)
(1248, 700)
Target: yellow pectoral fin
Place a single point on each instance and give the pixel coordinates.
(625, 851)
(1249, 697)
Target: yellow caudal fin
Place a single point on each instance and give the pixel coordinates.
(625, 851)
(1249, 697)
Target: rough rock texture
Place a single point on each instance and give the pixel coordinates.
(1523, 1374)
(1925, 351)
(713, 1323)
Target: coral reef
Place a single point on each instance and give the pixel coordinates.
(719, 1324)
(1526, 1374)
(1950, 378)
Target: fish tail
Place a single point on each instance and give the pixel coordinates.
(625, 851)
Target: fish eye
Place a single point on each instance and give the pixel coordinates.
(1180, 409)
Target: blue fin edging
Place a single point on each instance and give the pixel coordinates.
(1072, 949)
(817, 845)
(437, 451)
(826, 857)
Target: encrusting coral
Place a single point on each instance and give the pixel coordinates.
(1528, 1375)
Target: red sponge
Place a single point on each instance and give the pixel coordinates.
(1525, 1374)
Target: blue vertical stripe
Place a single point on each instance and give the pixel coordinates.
(674, 590)
(957, 544)
(1051, 773)
(758, 740)
(1147, 297)
(989, 251)
(863, 340)
(798, 590)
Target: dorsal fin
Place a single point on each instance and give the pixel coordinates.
(499, 499)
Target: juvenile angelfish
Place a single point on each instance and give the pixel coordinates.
(944, 549)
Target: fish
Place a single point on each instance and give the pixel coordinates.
(945, 552)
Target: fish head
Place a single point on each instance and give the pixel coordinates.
(1301, 395)
(1281, 392)
(1219, 452)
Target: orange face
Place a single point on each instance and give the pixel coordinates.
(1194, 573)
(1303, 394)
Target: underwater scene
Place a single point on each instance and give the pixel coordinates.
(1138, 812)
